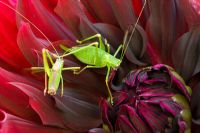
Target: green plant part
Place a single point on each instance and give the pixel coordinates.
(53, 76)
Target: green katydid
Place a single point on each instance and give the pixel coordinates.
(94, 54)
(94, 57)
(54, 73)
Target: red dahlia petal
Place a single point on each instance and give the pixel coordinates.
(10, 52)
(12, 99)
(43, 105)
(47, 21)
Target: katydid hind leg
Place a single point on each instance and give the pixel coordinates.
(107, 85)
(79, 49)
(62, 86)
(45, 84)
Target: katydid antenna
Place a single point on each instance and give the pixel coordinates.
(134, 28)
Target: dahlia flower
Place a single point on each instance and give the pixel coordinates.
(153, 99)
(167, 33)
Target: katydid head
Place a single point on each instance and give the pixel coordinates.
(114, 62)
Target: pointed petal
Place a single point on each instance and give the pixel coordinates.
(86, 28)
(12, 99)
(186, 57)
(12, 124)
(101, 10)
(135, 119)
(162, 36)
(43, 105)
(153, 116)
(124, 124)
(70, 11)
(137, 46)
(123, 12)
(113, 34)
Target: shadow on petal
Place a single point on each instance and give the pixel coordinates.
(12, 124)
(79, 109)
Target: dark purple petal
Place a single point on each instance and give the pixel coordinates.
(153, 116)
(123, 11)
(137, 46)
(124, 124)
(195, 104)
(165, 24)
(120, 97)
(86, 28)
(113, 34)
(101, 10)
(135, 119)
(78, 109)
(131, 78)
(178, 80)
(186, 56)
(71, 13)
(155, 92)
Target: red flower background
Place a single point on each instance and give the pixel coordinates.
(168, 33)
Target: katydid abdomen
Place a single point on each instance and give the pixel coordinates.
(55, 76)
(95, 56)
